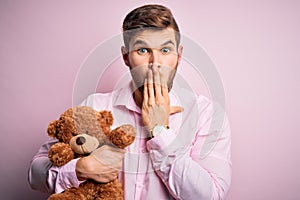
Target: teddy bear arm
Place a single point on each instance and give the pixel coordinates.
(60, 154)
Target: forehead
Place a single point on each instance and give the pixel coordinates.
(153, 38)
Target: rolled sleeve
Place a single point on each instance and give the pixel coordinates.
(46, 177)
(65, 176)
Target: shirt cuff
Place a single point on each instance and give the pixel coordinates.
(161, 141)
(165, 149)
(66, 177)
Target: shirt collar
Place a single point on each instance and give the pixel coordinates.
(125, 98)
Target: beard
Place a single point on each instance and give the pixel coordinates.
(139, 74)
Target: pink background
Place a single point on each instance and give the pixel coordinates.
(255, 46)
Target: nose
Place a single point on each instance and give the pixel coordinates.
(154, 57)
(80, 140)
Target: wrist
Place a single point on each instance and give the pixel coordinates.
(158, 129)
(79, 170)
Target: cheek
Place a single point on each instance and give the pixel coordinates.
(139, 73)
(170, 61)
(167, 60)
(135, 60)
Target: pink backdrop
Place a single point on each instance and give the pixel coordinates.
(255, 46)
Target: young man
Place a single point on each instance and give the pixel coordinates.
(164, 162)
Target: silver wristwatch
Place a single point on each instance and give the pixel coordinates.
(158, 129)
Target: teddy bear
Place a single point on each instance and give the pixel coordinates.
(81, 131)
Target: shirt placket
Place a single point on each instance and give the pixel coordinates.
(142, 162)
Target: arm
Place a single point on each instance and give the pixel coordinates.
(186, 172)
(45, 177)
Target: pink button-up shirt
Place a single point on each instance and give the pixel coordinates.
(191, 160)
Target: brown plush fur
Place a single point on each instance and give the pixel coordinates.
(76, 122)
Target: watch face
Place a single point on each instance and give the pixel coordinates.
(157, 130)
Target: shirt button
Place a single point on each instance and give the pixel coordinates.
(139, 185)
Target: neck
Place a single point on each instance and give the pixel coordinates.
(137, 96)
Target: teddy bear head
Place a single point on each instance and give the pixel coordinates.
(80, 130)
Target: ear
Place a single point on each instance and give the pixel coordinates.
(51, 130)
(106, 118)
(179, 54)
(125, 54)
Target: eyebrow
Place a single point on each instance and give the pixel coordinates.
(138, 42)
(168, 42)
(141, 42)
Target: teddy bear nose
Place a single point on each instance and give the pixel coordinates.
(80, 140)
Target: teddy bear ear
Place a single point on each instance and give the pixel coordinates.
(52, 128)
(106, 117)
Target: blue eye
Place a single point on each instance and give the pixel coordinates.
(142, 50)
(165, 50)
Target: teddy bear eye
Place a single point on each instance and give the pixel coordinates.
(73, 133)
(87, 132)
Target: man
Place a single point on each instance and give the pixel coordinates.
(164, 162)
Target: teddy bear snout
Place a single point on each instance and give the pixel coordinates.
(84, 143)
